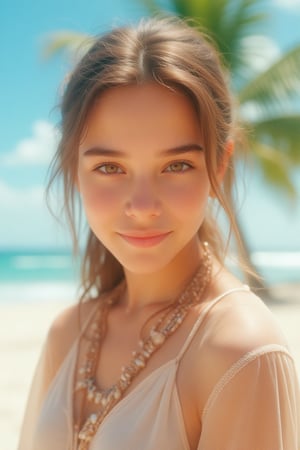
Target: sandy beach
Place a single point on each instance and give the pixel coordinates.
(23, 329)
(25, 325)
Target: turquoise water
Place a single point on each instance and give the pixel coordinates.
(37, 265)
(40, 275)
(37, 276)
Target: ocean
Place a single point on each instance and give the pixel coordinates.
(52, 275)
(37, 275)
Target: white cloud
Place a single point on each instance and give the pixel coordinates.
(288, 4)
(250, 111)
(260, 52)
(12, 197)
(35, 150)
(25, 219)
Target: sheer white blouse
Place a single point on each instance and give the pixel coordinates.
(254, 405)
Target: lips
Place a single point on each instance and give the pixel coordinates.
(145, 239)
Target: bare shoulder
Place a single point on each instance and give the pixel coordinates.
(238, 324)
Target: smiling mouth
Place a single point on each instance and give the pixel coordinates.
(145, 241)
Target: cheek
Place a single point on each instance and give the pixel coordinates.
(99, 198)
(189, 198)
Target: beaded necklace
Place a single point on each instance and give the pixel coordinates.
(105, 399)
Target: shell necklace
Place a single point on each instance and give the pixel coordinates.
(105, 399)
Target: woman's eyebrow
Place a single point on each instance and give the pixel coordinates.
(185, 148)
(100, 151)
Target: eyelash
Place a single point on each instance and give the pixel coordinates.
(98, 168)
(183, 163)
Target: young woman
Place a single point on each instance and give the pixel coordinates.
(171, 350)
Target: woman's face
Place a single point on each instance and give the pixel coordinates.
(142, 175)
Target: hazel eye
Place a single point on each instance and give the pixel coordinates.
(109, 169)
(179, 166)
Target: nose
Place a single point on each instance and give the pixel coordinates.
(143, 200)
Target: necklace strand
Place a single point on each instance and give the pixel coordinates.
(106, 399)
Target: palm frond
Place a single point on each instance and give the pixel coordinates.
(227, 21)
(283, 133)
(276, 168)
(69, 41)
(275, 84)
(245, 15)
(201, 9)
(151, 6)
(240, 21)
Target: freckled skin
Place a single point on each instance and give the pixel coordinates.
(144, 189)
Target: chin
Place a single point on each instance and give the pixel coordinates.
(145, 264)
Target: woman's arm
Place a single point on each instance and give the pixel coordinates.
(252, 399)
(255, 405)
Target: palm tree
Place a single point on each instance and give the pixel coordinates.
(266, 98)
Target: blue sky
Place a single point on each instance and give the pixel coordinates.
(29, 92)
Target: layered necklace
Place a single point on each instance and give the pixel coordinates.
(171, 318)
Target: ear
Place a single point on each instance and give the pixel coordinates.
(228, 152)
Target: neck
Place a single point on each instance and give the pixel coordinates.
(163, 286)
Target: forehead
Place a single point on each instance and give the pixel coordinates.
(145, 114)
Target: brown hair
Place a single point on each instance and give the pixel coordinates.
(167, 51)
